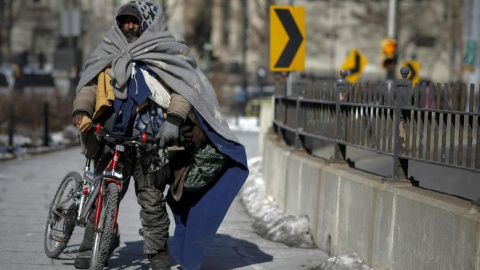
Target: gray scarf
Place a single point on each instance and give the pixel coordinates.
(166, 56)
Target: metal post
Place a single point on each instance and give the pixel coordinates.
(45, 124)
(207, 56)
(392, 33)
(11, 127)
(244, 49)
(3, 20)
(341, 95)
(298, 88)
(392, 18)
(402, 100)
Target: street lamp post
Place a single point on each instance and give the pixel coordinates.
(392, 33)
(244, 48)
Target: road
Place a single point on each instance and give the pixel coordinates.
(27, 186)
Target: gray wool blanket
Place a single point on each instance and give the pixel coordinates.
(168, 57)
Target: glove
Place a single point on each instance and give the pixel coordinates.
(86, 124)
(168, 133)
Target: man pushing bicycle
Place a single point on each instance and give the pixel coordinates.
(141, 79)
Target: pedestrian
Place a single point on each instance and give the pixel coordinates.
(141, 79)
(240, 99)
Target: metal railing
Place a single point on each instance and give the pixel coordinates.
(433, 123)
(12, 120)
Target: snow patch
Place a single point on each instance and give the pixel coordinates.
(245, 124)
(17, 140)
(343, 262)
(271, 223)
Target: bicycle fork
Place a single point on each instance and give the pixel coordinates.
(109, 171)
(85, 188)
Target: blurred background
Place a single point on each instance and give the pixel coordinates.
(44, 43)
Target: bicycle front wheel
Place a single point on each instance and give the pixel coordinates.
(61, 215)
(106, 231)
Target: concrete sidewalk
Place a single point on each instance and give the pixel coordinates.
(27, 186)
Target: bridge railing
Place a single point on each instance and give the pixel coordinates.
(433, 123)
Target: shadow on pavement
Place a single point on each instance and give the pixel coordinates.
(129, 256)
(68, 254)
(225, 253)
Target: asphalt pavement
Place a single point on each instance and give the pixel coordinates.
(27, 186)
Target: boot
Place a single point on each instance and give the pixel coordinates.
(82, 261)
(159, 261)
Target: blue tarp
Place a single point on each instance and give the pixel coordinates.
(198, 215)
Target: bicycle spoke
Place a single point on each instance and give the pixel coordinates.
(62, 215)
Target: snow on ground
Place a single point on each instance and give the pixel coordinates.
(246, 124)
(343, 262)
(23, 146)
(271, 223)
(274, 225)
(17, 140)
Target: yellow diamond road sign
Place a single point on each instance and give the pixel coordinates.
(287, 38)
(414, 74)
(354, 65)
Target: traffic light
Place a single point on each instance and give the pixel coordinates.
(389, 53)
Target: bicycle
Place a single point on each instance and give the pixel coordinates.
(76, 196)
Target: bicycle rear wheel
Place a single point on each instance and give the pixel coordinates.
(61, 215)
(105, 233)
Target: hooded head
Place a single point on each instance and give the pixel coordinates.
(129, 9)
(128, 19)
(144, 12)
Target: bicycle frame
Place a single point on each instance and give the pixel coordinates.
(109, 176)
(94, 185)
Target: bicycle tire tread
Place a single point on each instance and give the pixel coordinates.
(107, 236)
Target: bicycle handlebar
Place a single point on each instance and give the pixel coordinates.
(142, 138)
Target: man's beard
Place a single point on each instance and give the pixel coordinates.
(130, 35)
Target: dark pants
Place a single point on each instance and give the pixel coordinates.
(149, 188)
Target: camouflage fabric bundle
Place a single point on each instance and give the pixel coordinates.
(207, 164)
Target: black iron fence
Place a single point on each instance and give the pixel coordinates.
(16, 119)
(433, 123)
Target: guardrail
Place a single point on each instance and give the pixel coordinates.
(433, 123)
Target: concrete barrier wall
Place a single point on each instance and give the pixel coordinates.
(389, 225)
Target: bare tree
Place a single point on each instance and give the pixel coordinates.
(260, 32)
(198, 23)
(9, 13)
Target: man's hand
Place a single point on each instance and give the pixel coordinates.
(192, 134)
(77, 120)
(168, 133)
(82, 122)
(186, 133)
